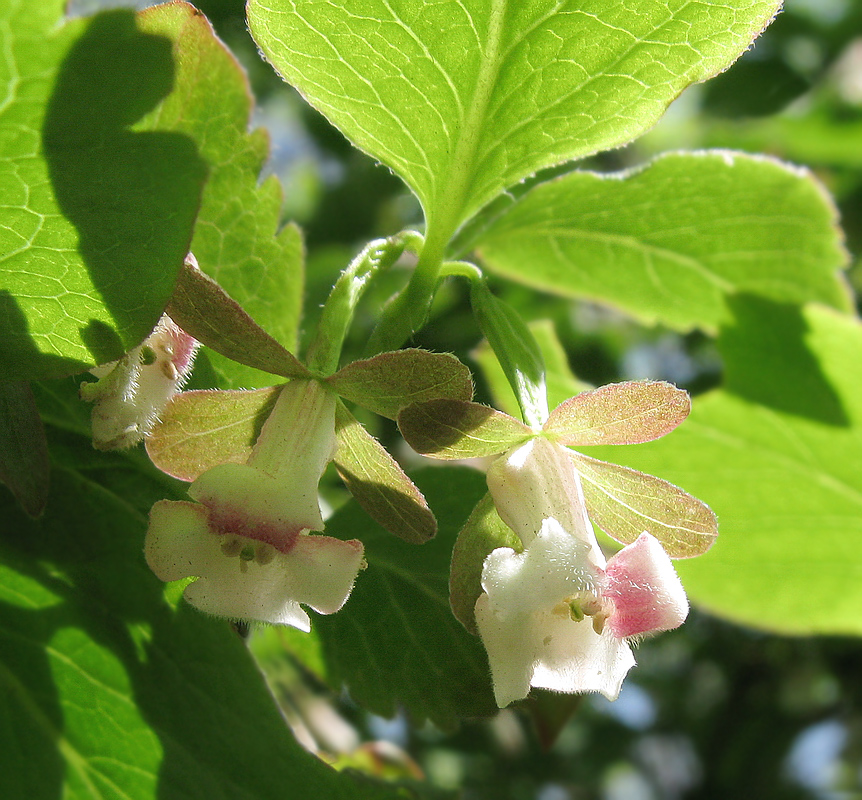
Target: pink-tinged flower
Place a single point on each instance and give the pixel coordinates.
(247, 538)
(131, 393)
(556, 615)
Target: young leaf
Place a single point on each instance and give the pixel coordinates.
(100, 195)
(376, 257)
(387, 382)
(202, 308)
(454, 429)
(464, 98)
(561, 381)
(777, 454)
(24, 465)
(483, 532)
(619, 413)
(624, 503)
(201, 429)
(238, 238)
(668, 242)
(102, 697)
(516, 350)
(395, 644)
(378, 484)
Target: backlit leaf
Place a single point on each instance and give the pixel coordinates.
(670, 241)
(619, 413)
(387, 382)
(624, 503)
(201, 429)
(463, 98)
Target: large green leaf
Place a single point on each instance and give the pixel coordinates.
(777, 454)
(670, 241)
(237, 239)
(463, 98)
(110, 691)
(98, 204)
(396, 642)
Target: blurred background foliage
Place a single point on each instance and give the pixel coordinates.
(713, 710)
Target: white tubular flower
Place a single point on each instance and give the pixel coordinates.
(247, 538)
(556, 615)
(132, 392)
(541, 619)
(536, 481)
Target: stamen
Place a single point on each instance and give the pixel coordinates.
(264, 554)
(148, 355)
(231, 547)
(575, 611)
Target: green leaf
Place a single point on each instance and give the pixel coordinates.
(464, 98)
(387, 382)
(777, 454)
(624, 503)
(202, 308)
(237, 240)
(454, 429)
(483, 532)
(201, 429)
(110, 691)
(396, 644)
(670, 241)
(516, 350)
(561, 381)
(619, 413)
(24, 466)
(100, 194)
(378, 484)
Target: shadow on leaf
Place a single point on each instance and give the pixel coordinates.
(767, 361)
(132, 195)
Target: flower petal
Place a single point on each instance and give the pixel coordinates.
(131, 393)
(574, 658)
(247, 502)
(554, 566)
(645, 588)
(176, 545)
(511, 645)
(319, 571)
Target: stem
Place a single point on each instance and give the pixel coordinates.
(462, 269)
(408, 311)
